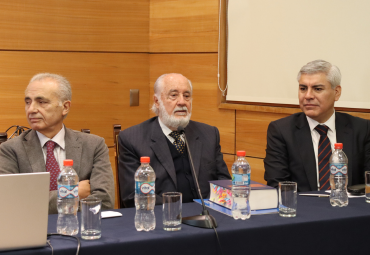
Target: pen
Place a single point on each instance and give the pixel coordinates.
(315, 195)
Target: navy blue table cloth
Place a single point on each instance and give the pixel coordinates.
(318, 228)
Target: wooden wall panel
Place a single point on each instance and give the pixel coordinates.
(75, 25)
(101, 84)
(364, 115)
(201, 69)
(183, 26)
(251, 131)
(257, 169)
(229, 160)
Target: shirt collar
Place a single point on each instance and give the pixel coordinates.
(165, 129)
(58, 138)
(330, 123)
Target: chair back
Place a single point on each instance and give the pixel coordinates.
(3, 137)
(116, 130)
(84, 130)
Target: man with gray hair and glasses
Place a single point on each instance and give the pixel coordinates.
(299, 146)
(48, 143)
(158, 139)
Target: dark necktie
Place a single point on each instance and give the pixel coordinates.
(324, 153)
(52, 165)
(179, 144)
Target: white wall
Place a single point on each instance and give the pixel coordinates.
(270, 40)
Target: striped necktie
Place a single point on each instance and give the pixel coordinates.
(52, 165)
(179, 144)
(323, 156)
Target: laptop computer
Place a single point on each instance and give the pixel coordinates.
(24, 202)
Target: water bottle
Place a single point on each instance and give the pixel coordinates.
(67, 201)
(241, 188)
(145, 196)
(338, 177)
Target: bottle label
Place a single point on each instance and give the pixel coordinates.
(338, 169)
(241, 179)
(67, 191)
(144, 187)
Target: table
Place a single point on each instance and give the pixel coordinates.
(318, 228)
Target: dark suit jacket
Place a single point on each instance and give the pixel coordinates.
(147, 139)
(90, 156)
(290, 154)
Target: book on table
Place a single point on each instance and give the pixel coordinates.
(228, 212)
(261, 197)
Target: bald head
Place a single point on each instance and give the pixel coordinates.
(169, 78)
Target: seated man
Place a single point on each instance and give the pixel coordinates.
(48, 143)
(158, 139)
(299, 146)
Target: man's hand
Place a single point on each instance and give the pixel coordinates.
(84, 189)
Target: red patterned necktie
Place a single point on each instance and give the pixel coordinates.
(52, 165)
(323, 156)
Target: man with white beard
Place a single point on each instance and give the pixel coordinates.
(158, 139)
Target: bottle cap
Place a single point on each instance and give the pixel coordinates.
(338, 146)
(145, 159)
(240, 153)
(68, 162)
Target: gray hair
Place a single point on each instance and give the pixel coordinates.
(64, 93)
(158, 85)
(321, 66)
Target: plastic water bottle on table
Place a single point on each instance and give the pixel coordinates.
(241, 189)
(145, 196)
(338, 176)
(67, 201)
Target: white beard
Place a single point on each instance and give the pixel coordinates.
(172, 121)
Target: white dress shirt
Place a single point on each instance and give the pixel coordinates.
(167, 132)
(332, 135)
(59, 150)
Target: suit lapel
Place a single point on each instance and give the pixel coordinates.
(160, 148)
(305, 147)
(34, 152)
(195, 147)
(344, 135)
(73, 148)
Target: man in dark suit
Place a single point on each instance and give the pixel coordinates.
(49, 142)
(157, 138)
(299, 146)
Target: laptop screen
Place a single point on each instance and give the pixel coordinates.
(24, 201)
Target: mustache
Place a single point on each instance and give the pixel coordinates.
(180, 108)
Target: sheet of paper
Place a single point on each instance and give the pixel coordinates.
(110, 214)
(349, 195)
